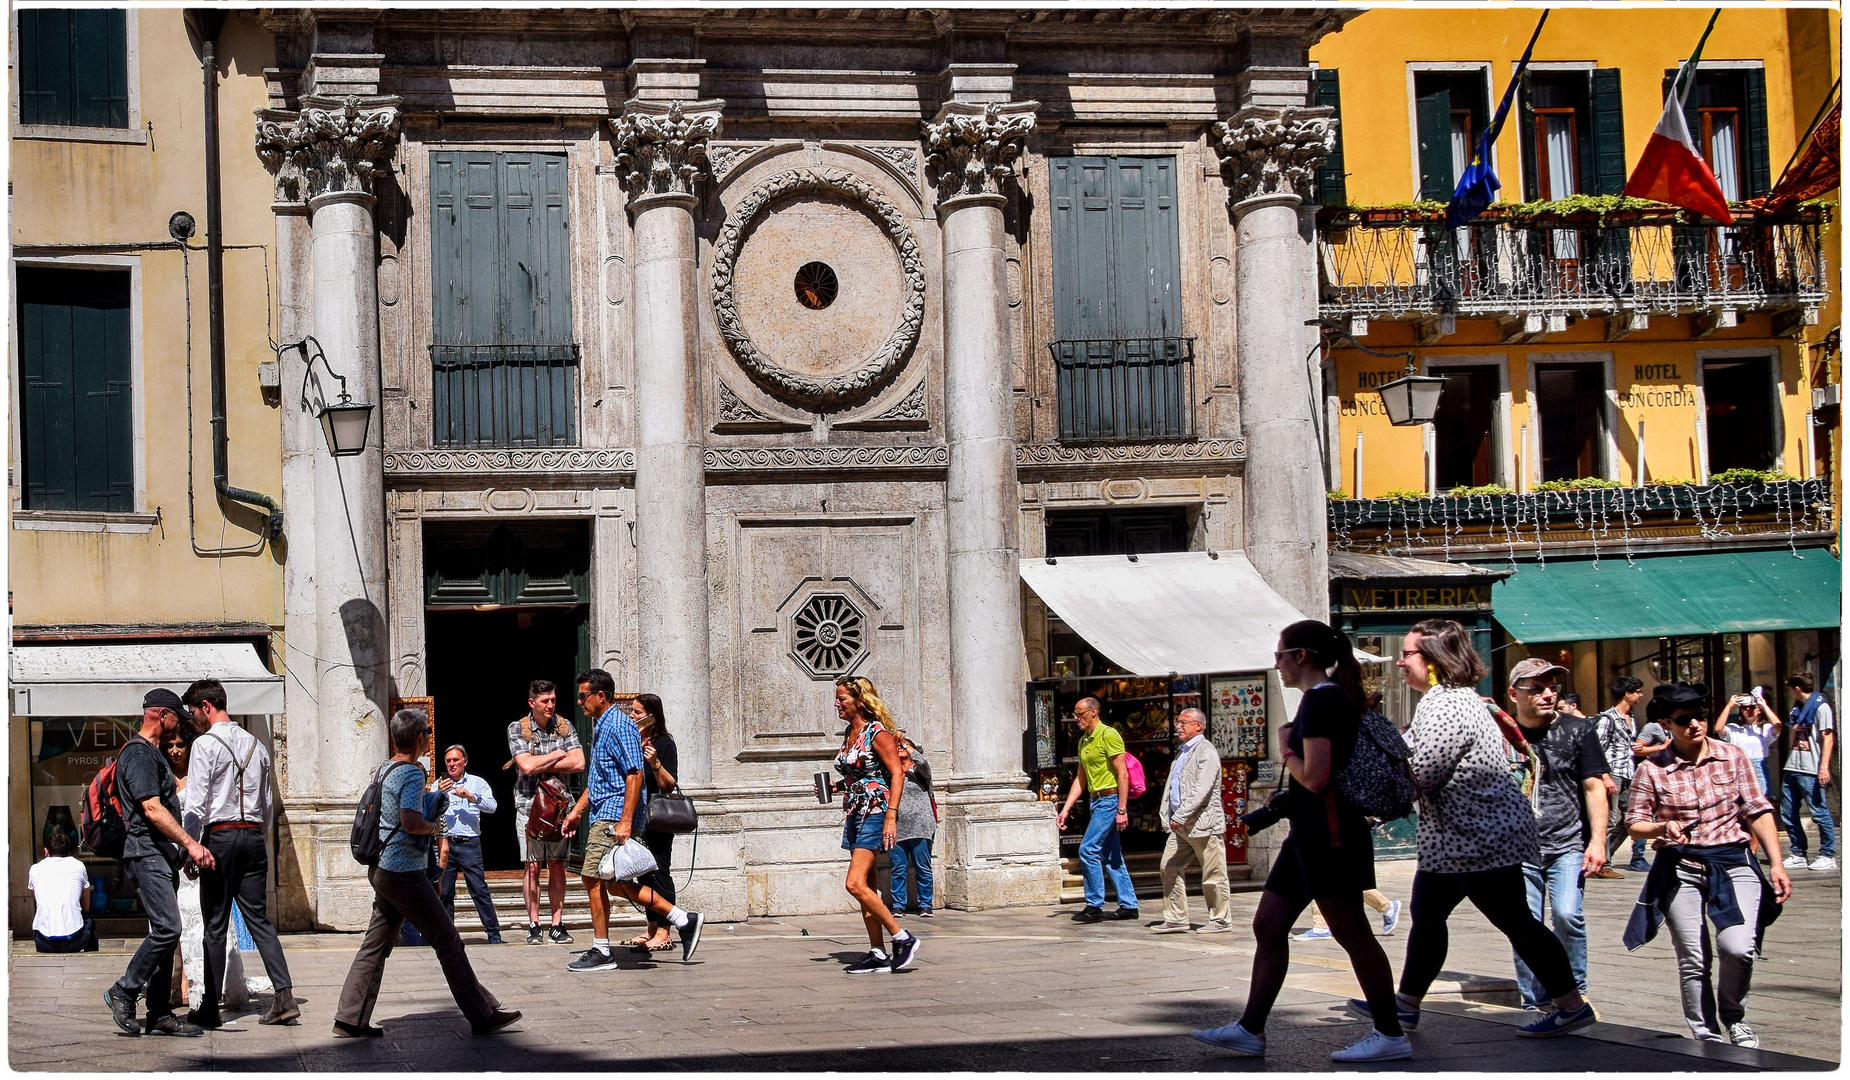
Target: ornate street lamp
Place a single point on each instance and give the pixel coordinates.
(344, 422)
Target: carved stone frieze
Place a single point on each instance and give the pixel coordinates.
(734, 410)
(810, 391)
(663, 151)
(1144, 457)
(721, 160)
(1266, 151)
(441, 463)
(970, 149)
(910, 407)
(905, 158)
(330, 147)
(805, 458)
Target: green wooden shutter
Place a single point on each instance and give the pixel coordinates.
(44, 66)
(1332, 183)
(1146, 241)
(1525, 115)
(1759, 164)
(1584, 151)
(73, 67)
(78, 427)
(1433, 112)
(1609, 165)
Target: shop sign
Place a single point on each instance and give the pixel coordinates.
(1415, 598)
(1043, 729)
(1237, 716)
(66, 752)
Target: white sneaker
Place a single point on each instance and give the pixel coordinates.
(1824, 862)
(1742, 1035)
(1794, 862)
(1233, 1037)
(1376, 1047)
(1315, 933)
(1390, 919)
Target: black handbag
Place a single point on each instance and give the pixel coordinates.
(672, 812)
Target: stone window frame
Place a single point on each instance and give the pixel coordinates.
(138, 520)
(135, 132)
(1776, 358)
(1451, 67)
(1503, 451)
(1608, 455)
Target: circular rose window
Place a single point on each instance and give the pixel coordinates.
(816, 286)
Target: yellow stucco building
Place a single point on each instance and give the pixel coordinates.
(126, 567)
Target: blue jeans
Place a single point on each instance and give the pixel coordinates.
(911, 860)
(1100, 854)
(1560, 875)
(466, 856)
(1794, 787)
(1764, 769)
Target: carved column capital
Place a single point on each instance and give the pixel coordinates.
(331, 147)
(970, 148)
(662, 147)
(1274, 151)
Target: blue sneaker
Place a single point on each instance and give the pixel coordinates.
(1233, 1037)
(1315, 933)
(1390, 919)
(1560, 1022)
(1409, 1018)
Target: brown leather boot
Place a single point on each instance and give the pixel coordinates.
(283, 1008)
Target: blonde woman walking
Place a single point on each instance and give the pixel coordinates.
(873, 780)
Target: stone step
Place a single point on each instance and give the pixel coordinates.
(1146, 877)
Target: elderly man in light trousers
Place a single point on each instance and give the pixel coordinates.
(1197, 825)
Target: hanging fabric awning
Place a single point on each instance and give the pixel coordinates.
(110, 680)
(1188, 612)
(1733, 592)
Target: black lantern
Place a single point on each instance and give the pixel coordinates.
(1412, 399)
(344, 422)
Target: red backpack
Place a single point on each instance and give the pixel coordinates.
(100, 821)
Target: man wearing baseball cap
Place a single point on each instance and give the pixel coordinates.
(1569, 797)
(152, 853)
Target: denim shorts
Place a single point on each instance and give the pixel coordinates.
(862, 831)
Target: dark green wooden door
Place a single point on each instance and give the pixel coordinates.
(77, 432)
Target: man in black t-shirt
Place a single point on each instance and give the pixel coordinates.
(155, 848)
(1569, 797)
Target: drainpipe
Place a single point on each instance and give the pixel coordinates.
(207, 23)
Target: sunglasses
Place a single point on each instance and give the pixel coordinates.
(1686, 721)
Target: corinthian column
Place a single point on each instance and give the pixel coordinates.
(970, 153)
(1270, 157)
(326, 159)
(662, 156)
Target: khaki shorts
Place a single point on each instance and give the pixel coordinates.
(599, 841)
(539, 851)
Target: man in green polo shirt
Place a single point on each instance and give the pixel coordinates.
(1102, 773)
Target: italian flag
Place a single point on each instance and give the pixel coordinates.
(1671, 171)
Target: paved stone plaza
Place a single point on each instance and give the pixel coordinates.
(1022, 989)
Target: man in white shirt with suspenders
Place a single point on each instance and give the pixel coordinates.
(229, 809)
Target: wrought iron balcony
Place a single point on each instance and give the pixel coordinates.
(1125, 389)
(504, 395)
(1408, 265)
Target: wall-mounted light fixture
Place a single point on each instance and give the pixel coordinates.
(344, 422)
(1412, 398)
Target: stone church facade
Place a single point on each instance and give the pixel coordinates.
(793, 320)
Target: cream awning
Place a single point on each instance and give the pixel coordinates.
(109, 680)
(1178, 613)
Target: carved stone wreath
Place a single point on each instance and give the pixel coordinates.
(877, 370)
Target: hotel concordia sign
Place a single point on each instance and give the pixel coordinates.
(1416, 597)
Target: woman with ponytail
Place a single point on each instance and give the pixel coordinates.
(1475, 830)
(873, 771)
(1329, 856)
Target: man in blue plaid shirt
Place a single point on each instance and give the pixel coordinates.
(617, 803)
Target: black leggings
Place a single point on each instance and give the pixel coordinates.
(1503, 897)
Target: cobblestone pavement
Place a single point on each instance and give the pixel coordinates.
(1024, 989)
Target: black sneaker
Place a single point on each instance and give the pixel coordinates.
(171, 1024)
(122, 1008)
(905, 950)
(899, 913)
(923, 913)
(690, 935)
(592, 960)
(558, 935)
(1126, 913)
(1090, 914)
(871, 964)
(535, 936)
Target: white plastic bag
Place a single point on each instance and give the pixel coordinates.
(626, 863)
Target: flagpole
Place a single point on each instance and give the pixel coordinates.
(1684, 86)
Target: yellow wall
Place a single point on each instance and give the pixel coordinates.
(72, 192)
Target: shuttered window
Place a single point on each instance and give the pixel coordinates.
(1332, 188)
(1726, 113)
(73, 67)
(505, 367)
(1573, 127)
(1450, 111)
(77, 427)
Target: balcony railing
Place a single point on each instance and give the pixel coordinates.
(1125, 389)
(504, 395)
(1410, 268)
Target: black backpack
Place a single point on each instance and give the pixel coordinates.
(1378, 779)
(366, 842)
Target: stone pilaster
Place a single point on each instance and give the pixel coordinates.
(326, 160)
(1000, 844)
(1270, 157)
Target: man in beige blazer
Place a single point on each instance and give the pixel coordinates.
(1197, 826)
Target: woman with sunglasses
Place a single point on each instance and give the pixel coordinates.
(1752, 729)
(1329, 856)
(1691, 802)
(873, 780)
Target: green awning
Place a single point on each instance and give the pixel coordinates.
(1671, 595)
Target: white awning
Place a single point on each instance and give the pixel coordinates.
(1177, 613)
(110, 680)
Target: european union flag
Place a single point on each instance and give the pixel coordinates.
(1478, 187)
